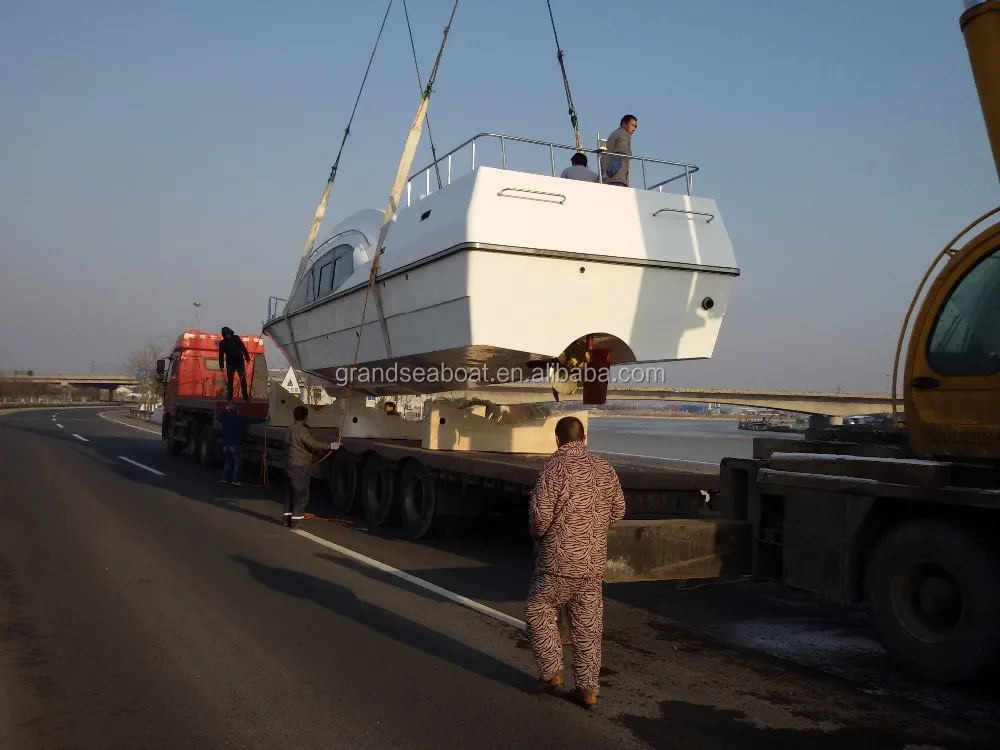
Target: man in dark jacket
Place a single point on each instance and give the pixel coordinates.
(233, 355)
(234, 433)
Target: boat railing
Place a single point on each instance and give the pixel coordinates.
(275, 307)
(451, 164)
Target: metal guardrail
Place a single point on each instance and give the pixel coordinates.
(275, 307)
(687, 173)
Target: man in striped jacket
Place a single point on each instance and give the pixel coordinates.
(574, 503)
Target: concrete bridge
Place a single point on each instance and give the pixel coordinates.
(88, 380)
(834, 406)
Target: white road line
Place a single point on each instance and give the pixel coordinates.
(80, 437)
(150, 469)
(60, 426)
(457, 598)
(103, 416)
(660, 458)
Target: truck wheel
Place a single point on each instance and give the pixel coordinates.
(344, 483)
(206, 445)
(166, 432)
(933, 591)
(378, 491)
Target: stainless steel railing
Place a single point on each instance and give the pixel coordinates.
(449, 159)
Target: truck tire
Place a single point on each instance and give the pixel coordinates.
(378, 491)
(174, 447)
(206, 446)
(933, 592)
(417, 500)
(344, 483)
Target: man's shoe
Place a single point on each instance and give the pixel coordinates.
(547, 686)
(584, 698)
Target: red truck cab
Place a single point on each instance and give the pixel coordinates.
(193, 380)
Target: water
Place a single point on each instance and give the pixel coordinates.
(699, 441)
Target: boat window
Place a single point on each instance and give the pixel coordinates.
(308, 283)
(325, 283)
(965, 340)
(343, 264)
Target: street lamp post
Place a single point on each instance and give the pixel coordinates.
(196, 306)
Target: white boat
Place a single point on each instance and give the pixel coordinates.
(502, 269)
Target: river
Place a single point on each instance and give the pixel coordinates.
(697, 441)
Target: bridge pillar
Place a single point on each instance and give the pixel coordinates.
(824, 420)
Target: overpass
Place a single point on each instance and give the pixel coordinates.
(833, 406)
(88, 380)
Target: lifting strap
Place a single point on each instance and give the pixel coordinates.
(405, 162)
(321, 208)
(562, 66)
(420, 87)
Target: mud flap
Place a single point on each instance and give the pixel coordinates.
(596, 374)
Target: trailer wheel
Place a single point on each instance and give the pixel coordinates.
(417, 501)
(933, 592)
(378, 491)
(344, 483)
(418, 504)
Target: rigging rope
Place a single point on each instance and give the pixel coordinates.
(405, 162)
(420, 85)
(562, 66)
(324, 199)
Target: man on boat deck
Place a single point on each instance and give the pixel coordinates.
(574, 503)
(578, 169)
(616, 168)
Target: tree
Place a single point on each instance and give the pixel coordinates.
(142, 364)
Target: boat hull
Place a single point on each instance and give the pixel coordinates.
(497, 283)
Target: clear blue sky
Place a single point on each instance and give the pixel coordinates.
(158, 153)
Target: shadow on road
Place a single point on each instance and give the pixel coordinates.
(344, 602)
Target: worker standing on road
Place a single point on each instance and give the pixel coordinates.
(574, 503)
(233, 355)
(301, 447)
(234, 433)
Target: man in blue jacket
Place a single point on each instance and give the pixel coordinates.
(234, 433)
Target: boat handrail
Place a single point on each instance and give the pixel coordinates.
(687, 173)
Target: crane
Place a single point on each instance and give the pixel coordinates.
(951, 381)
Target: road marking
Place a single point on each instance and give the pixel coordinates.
(80, 437)
(60, 426)
(103, 416)
(457, 598)
(142, 466)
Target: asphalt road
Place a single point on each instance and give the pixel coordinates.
(142, 604)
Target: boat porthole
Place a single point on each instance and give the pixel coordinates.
(582, 269)
(708, 303)
(354, 420)
(443, 420)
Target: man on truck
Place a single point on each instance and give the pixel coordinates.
(301, 446)
(574, 503)
(233, 355)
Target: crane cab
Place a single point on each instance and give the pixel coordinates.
(952, 385)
